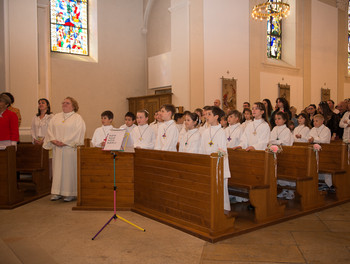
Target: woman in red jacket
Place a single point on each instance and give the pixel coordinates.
(9, 134)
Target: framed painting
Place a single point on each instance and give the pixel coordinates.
(229, 93)
(284, 91)
(325, 94)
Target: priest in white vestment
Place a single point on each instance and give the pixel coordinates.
(65, 132)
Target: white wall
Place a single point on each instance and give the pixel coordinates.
(226, 47)
(324, 36)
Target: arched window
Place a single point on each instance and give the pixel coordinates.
(69, 26)
(274, 35)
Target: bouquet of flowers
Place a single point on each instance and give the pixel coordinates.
(275, 149)
(317, 147)
(221, 153)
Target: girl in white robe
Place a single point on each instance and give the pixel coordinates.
(190, 142)
(280, 134)
(143, 135)
(301, 132)
(65, 132)
(234, 131)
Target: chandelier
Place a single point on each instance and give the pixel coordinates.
(271, 9)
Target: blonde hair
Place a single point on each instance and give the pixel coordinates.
(319, 116)
(74, 103)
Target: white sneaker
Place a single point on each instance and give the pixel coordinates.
(290, 195)
(283, 194)
(69, 198)
(55, 197)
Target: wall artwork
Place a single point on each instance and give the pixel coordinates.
(229, 93)
(284, 91)
(325, 94)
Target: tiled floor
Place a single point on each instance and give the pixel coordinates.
(50, 232)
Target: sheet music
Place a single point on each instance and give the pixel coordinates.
(114, 139)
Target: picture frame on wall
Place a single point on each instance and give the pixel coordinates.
(284, 91)
(229, 93)
(325, 94)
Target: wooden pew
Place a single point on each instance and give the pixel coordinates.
(298, 164)
(10, 195)
(254, 171)
(96, 179)
(334, 160)
(34, 160)
(182, 190)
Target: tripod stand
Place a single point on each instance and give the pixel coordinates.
(115, 216)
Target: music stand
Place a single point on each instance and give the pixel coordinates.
(115, 216)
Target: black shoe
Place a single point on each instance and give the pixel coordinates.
(250, 207)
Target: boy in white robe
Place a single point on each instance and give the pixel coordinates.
(129, 126)
(101, 133)
(234, 131)
(143, 135)
(213, 139)
(168, 133)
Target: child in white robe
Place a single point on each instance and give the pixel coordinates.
(129, 126)
(190, 142)
(157, 122)
(168, 133)
(301, 132)
(234, 131)
(345, 123)
(280, 134)
(101, 133)
(143, 135)
(213, 139)
(248, 117)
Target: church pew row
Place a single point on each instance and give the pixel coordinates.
(254, 171)
(34, 160)
(183, 190)
(333, 159)
(298, 164)
(96, 179)
(10, 195)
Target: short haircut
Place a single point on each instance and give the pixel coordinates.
(217, 112)
(237, 114)
(5, 98)
(207, 107)
(178, 116)
(330, 100)
(319, 116)
(130, 114)
(74, 103)
(11, 97)
(169, 108)
(186, 112)
(107, 113)
(284, 116)
(312, 105)
(247, 103)
(247, 110)
(145, 112)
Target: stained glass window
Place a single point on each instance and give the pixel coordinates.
(69, 26)
(274, 35)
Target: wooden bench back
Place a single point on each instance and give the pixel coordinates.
(250, 167)
(31, 157)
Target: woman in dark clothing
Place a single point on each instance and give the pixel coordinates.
(283, 106)
(311, 112)
(331, 120)
(268, 107)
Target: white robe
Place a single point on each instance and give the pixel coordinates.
(191, 141)
(233, 135)
(216, 136)
(303, 131)
(39, 126)
(344, 122)
(130, 142)
(245, 124)
(321, 134)
(143, 137)
(68, 128)
(100, 135)
(258, 140)
(281, 135)
(167, 136)
(155, 125)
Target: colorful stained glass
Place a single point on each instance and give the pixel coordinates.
(274, 35)
(69, 33)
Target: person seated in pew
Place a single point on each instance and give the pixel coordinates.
(168, 133)
(319, 133)
(301, 132)
(214, 140)
(190, 142)
(234, 131)
(280, 134)
(223, 122)
(157, 122)
(101, 133)
(129, 126)
(143, 135)
(247, 117)
(256, 136)
(179, 120)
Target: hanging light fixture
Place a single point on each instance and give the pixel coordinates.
(271, 9)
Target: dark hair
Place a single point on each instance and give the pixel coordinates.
(284, 102)
(11, 97)
(307, 119)
(314, 106)
(261, 107)
(217, 112)
(199, 110)
(186, 112)
(247, 103)
(284, 116)
(169, 108)
(48, 111)
(330, 100)
(237, 114)
(107, 113)
(246, 110)
(178, 116)
(130, 114)
(194, 117)
(326, 111)
(144, 111)
(269, 109)
(207, 107)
